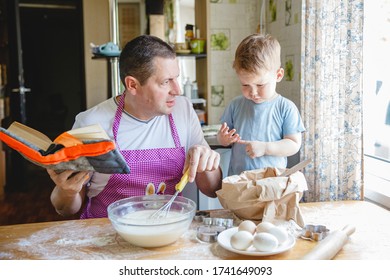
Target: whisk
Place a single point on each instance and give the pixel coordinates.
(164, 210)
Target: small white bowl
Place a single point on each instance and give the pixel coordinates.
(130, 218)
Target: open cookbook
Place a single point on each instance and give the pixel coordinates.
(83, 149)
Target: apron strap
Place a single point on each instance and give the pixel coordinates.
(118, 116)
(175, 134)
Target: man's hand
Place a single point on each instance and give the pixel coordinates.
(68, 181)
(68, 194)
(199, 159)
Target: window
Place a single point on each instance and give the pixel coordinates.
(376, 100)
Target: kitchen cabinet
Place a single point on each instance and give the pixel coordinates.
(202, 8)
(201, 12)
(207, 203)
(200, 72)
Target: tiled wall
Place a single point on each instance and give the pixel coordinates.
(230, 22)
(236, 19)
(283, 20)
(286, 27)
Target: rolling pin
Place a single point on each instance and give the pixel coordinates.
(330, 245)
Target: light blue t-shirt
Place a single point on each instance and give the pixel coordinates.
(268, 121)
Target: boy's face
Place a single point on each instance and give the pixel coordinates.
(260, 87)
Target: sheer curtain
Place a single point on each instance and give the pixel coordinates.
(331, 99)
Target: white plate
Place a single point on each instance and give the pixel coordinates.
(224, 242)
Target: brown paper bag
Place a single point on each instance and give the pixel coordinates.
(260, 195)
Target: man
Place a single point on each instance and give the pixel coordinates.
(156, 130)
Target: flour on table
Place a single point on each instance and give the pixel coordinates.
(69, 241)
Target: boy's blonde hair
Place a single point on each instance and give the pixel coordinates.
(257, 52)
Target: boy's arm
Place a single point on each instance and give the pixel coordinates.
(288, 146)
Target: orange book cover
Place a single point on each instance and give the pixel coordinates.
(83, 149)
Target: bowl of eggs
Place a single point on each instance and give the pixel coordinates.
(263, 239)
(131, 218)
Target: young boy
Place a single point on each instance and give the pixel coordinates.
(262, 127)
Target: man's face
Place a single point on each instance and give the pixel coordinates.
(158, 95)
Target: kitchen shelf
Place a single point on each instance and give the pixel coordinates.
(199, 101)
(202, 61)
(100, 56)
(195, 55)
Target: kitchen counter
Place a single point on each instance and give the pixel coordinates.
(96, 238)
(213, 142)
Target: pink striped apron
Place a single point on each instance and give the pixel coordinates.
(152, 171)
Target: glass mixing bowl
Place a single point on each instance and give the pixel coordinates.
(130, 217)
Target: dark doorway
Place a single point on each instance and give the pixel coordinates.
(52, 42)
(51, 34)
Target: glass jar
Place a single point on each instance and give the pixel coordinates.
(189, 35)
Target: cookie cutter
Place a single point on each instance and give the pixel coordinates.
(314, 232)
(208, 232)
(227, 223)
(201, 215)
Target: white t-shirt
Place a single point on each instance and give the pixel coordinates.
(134, 134)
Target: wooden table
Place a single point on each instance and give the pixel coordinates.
(96, 239)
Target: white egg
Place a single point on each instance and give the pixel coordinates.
(247, 225)
(280, 234)
(241, 240)
(264, 227)
(265, 242)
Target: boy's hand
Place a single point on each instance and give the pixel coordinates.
(254, 148)
(226, 137)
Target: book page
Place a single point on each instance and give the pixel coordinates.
(91, 132)
(30, 135)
